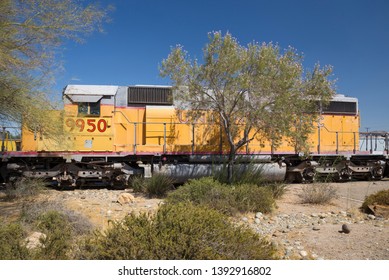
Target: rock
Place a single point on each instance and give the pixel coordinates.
(316, 228)
(343, 213)
(244, 219)
(257, 221)
(125, 198)
(303, 253)
(371, 217)
(258, 215)
(346, 228)
(34, 240)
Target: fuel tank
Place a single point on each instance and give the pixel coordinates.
(271, 172)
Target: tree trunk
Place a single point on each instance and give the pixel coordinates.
(230, 166)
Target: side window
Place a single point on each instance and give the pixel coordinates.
(89, 109)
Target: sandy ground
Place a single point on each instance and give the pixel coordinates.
(368, 239)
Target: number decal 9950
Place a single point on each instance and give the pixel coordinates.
(90, 125)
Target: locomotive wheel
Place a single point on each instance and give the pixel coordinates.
(309, 175)
(344, 175)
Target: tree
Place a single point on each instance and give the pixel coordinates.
(31, 33)
(255, 90)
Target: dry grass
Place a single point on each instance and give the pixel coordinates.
(318, 193)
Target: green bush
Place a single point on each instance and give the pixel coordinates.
(380, 198)
(12, 244)
(156, 186)
(243, 173)
(58, 241)
(277, 189)
(137, 183)
(227, 199)
(251, 198)
(179, 231)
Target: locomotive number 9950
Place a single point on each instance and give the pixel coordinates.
(86, 125)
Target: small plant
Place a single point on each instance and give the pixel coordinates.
(277, 189)
(158, 185)
(243, 173)
(251, 198)
(138, 184)
(380, 198)
(24, 187)
(318, 193)
(12, 245)
(179, 231)
(31, 212)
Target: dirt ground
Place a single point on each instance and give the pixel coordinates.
(301, 231)
(368, 237)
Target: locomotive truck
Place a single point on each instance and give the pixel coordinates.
(111, 133)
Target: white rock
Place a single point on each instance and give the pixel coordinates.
(303, 253)
(125, 198)
(258, 215)
(34, 240)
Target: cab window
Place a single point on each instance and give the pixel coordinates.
(89, 109)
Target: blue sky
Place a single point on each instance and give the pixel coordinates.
(352, 36)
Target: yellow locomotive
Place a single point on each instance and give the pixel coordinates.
(114, 132)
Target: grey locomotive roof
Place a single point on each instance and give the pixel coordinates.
(90, 90)
(341, 97)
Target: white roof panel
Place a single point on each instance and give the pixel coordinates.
(90, 90)
(341, 97)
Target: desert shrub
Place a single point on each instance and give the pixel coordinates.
(204, 191)
(380, 198)
(318, 193)
(156, 186)
(24, 187)
(243, 173)
(277, 189)
(252, 198)
(227, 199)
(31, 212)
(57, 242)
(179, 231)
(137, 183)
(12, 244)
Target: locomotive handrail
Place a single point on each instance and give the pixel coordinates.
(337, 138)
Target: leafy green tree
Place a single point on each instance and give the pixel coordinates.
(256, 91)
(31, 34)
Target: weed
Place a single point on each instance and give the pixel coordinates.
(156, 186)
(318, 193)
